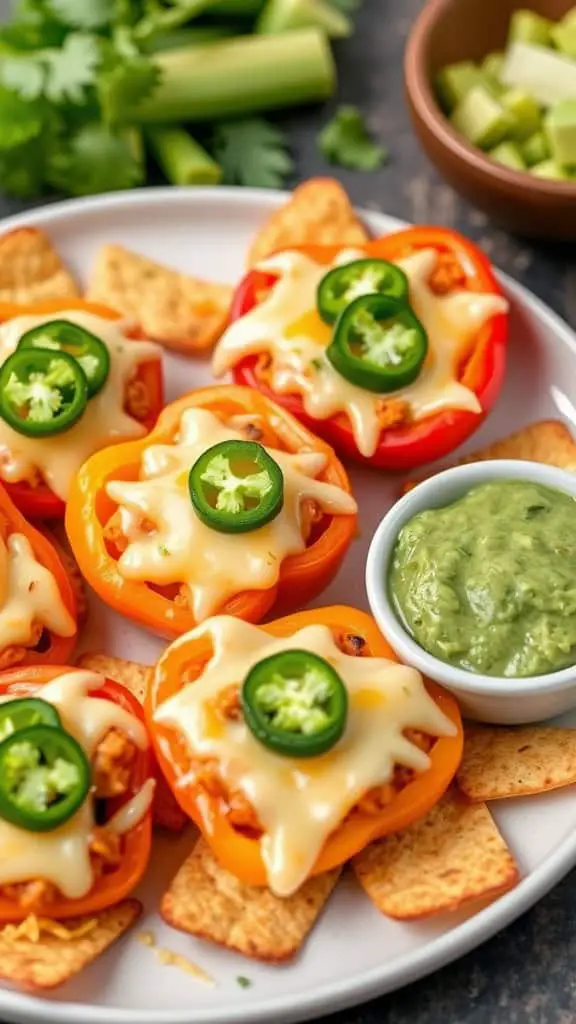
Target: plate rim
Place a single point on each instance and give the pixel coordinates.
(439, 951)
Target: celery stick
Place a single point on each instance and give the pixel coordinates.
(528, 27)
(182, 159)
(283, 15)
(239, 76)
(133, 138)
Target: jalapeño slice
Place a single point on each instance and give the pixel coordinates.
(235, 486)
(42, 392)
(75, 341)
(342, 285)
(378, 343)
(44, 778)
(295, 703)
(22, 712)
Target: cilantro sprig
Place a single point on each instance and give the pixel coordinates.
(346, 141)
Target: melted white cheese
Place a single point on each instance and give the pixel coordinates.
(104, 422)
(299, 802)
(286, 327)
(214, 566)
(63, 856)
(29, 594)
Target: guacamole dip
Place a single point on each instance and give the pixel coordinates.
(489, 582)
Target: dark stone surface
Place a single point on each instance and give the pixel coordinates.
(525, 975)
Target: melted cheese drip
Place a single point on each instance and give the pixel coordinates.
(287, 327)
(214, 566)
(29, 595)
(63, 856)
(104, 422)
(300, 802)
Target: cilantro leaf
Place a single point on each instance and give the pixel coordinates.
(345, 141)
(86, 14)
(20, 119)
(252, 152)
(95, 160)
(122, 87)
(72, 69)
(24, 73)
(164, 17)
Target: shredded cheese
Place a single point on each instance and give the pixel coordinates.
(33, 928)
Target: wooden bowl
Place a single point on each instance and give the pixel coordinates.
(451, 30)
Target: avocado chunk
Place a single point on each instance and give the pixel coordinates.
(524, 111)
(508, 153)
(546, 75)
(481, 119)
(454, 81)
(536, 149)
(550, 169)
(528, 27)
(560, 127)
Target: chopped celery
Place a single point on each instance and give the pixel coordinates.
(508, 153)
(454, 81)
(536, 149)
(560, 128)
(182, 159)
(524, 111)
(492, 65)
(564, 34)
(550, 169)
(239, 76)
(283, 15)
(545, 74)
(481, 119)
(528, 27)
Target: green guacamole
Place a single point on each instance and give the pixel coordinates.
(489, 582)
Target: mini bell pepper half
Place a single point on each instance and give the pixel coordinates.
(113, 885)
(302, 576)
(236, 850)
(409, 444)
(40, 502)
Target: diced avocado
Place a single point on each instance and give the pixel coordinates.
(560, 128)
(508, 153)
(536, 149)
(548, 76)
(524, 111)
(454, 81)
(564, 34)
(528, 27)
(492, 65)
(481, 118)
(550, 169)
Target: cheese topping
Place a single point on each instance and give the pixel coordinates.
(29, 595)
(299, 802)
(287, 327)
(181, 549)
(63, 856)
(104, 422)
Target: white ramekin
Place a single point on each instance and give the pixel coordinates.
(486, 698)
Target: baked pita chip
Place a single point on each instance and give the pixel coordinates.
(166, 812)
(31, 270)
(499, 763)
(317, 212)
(183, 313)
(547, 441)
(207, 901)
(40, 954)
(452, 856)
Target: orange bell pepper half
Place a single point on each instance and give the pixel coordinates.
(302, 576)
(59, 648)
(111, 886)
(235, 850)
(40, 502)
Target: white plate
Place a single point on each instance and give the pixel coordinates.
(354, 953)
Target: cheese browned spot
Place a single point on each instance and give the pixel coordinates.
(180, 548)
(300, 802)
(56, 460)
(287, 328)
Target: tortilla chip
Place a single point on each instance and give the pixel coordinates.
(45, 960)
(31, 269)
(130, 674)
(207, 901)
(499, 763)
(318, 212)
(183, 313)
(547, 441)
(452, 856)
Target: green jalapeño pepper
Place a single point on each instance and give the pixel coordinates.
(378, 344)
(25, 711)
(75, 341)
(295, 703)
(235, 486)
(42, 392)
(44, 778)
(342, 285)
